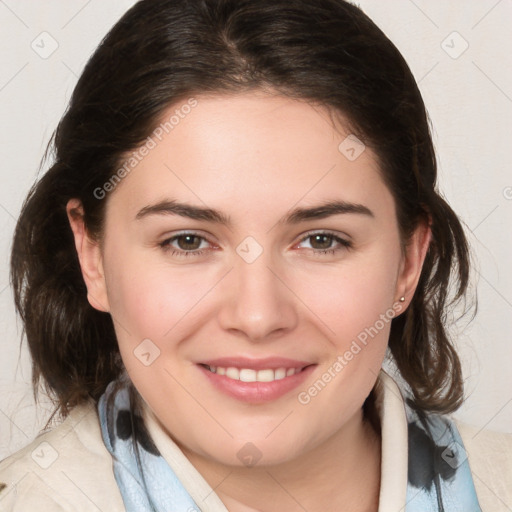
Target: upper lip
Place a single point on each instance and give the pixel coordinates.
(272, 363)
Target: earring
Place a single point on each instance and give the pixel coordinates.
(402, 299)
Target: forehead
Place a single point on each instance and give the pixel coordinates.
(251, 150)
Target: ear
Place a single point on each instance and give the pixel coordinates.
(89, 256)
(412, 262)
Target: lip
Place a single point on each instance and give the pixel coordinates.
(272, 363)
(256, 392)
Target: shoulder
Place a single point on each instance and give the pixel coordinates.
(65, 469)
(489, 455)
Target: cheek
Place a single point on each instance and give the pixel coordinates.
(357, 311)
(352, 297)
(152, 297)
(355, 305)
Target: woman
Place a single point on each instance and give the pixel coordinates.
(241, 223)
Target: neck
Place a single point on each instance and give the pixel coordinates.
(342, 473)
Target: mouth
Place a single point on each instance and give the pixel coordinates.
(252, 375)
(256, 381)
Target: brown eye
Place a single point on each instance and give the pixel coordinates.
(325, 243)
(185, 244)
(188, 242)
(321, 241)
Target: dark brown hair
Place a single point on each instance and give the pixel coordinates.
(327, 52)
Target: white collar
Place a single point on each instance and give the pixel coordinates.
(394, 456)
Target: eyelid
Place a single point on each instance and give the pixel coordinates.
(344, 241)
(341, 244)
(336, 235)
(166, 241)
(207, 236)
(201, 234)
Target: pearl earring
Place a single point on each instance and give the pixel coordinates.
(402, 299)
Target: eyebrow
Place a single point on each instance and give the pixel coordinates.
(322, 211)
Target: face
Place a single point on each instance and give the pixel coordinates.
(247, 241)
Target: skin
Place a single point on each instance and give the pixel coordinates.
(255, 157)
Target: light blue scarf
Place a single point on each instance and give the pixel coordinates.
(439, 475)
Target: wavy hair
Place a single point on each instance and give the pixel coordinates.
(326, 52)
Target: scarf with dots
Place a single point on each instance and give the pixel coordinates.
(439, 477)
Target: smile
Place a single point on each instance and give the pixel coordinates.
(250, 375)
(256, 381)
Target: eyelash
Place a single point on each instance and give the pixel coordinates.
(345, 244)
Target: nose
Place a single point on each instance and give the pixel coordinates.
(257, 302)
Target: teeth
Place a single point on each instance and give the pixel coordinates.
(280, 373)
(249, 375)
(233, 373)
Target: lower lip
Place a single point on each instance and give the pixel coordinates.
(256, 392)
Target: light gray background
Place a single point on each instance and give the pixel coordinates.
(469, 98)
